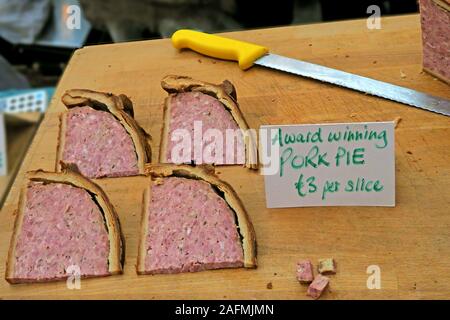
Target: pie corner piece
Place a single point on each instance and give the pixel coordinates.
(127, 144)
(64, 225)
(225, 93)
(203, 238)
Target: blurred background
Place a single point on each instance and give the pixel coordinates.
(37, 38)
(36, 42)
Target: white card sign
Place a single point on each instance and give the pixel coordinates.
(347, 164)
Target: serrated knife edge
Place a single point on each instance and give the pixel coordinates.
(352, 81)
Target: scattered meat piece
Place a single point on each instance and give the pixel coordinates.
(327, 266)
(318, 286)
(305, 273)
(269, 286)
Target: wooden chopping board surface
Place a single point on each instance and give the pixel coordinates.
(410, 243)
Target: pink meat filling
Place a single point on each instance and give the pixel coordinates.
(436, 37)
(305, 272)
(213, 135)
(62, 227)
(190, 228)
(318, 286)
(98, 144)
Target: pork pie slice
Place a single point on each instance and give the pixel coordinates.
(215, 107)
(192, 221)
(64, 224)
(99, 135)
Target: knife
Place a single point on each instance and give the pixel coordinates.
(247, 54)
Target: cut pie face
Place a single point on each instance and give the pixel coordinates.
(191, 222)
(65, 225)
(204, 125)
(99, 135)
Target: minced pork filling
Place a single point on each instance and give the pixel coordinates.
(214, 136)
(190, 228)
(98, 144)
(62, 227)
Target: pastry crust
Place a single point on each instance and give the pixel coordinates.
(437, 75)
(120, 107)
(67, 176)
(444, 4)
(205, 173)
(226, 94)
(140, 267)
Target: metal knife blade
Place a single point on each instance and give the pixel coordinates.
(352, 81)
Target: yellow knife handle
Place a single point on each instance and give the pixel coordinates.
(219, 47)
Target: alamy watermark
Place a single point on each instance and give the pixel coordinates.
(374, 279)
(374, 20)
(73, 17)
(230, 146)
(74, 277)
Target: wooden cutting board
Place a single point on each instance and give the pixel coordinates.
(410, 243)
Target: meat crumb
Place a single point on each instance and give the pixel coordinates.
(327, 266)
(318, 286)
(269, 286)
(305, 273)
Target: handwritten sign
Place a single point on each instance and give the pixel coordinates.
(348, 164)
